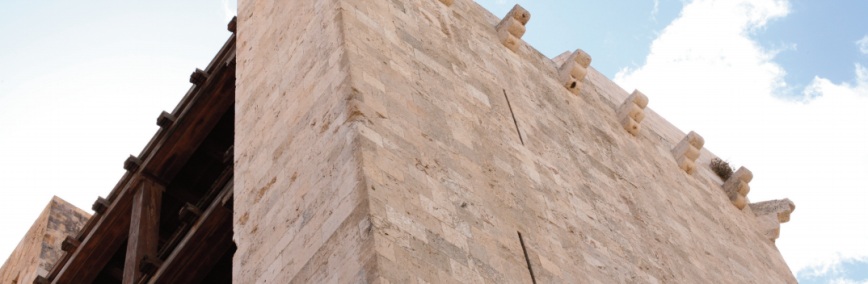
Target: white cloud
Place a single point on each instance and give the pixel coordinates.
(863, 44)
(839, 271)
(706, 73)
(655, 10)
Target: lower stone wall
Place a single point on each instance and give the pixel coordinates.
(40, 248)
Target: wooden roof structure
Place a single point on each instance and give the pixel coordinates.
(169, 218)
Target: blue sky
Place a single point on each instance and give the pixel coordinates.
(779, 86)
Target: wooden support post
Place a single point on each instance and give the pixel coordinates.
(144, 229)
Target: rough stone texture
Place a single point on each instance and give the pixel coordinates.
(402, 142)
(301, 212)
(40, 247)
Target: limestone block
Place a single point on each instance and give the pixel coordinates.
(687, 151)
(632, 112)
(737, 188)
(781, 209)
(512, 27)
(770, 214)
(574, 70)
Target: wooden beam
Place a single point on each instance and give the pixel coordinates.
(198, 77)
(201, 248)
(163, 157)
(69, 244)
(144, 229)
(189, 213)
(100, 205)
(132, 163)
(165, 120)
(39, 280)
(233, 25)
(100, 244)
(194, 124)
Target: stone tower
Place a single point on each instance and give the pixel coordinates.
(41, 246)
(422, 141)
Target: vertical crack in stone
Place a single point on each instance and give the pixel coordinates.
(517, 130)
(526, 256)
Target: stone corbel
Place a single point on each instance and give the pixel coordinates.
(771, 214)
(512, 27)
(632, 112)
(574, 70)
(737, 188)
(687, 151)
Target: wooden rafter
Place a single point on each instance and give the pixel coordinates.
(162, 159)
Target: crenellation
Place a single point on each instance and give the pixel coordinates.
(512, 27)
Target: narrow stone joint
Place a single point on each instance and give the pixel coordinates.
(632, 112)
(737, 188)
(526, 258)
(189, 213)
(69, 244)
(771, 214)
(100, 206)
(132, 163)
(512, 27)
(165, 120)
(687, 151)
(198, 77)
(574, 70)
(514, 121)
(233, 25)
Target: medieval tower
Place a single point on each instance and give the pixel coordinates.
(413, 141)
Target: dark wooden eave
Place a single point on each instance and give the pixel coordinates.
(161, 160)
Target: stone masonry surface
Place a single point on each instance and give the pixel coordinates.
(40, 247)
(400, 141)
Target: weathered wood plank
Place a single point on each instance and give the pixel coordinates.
(191, 261)
(144, 229)
(100, 244)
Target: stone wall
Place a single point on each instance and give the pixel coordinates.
(300, 208)
(469, 143)
(408, 141)
(40, 248)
